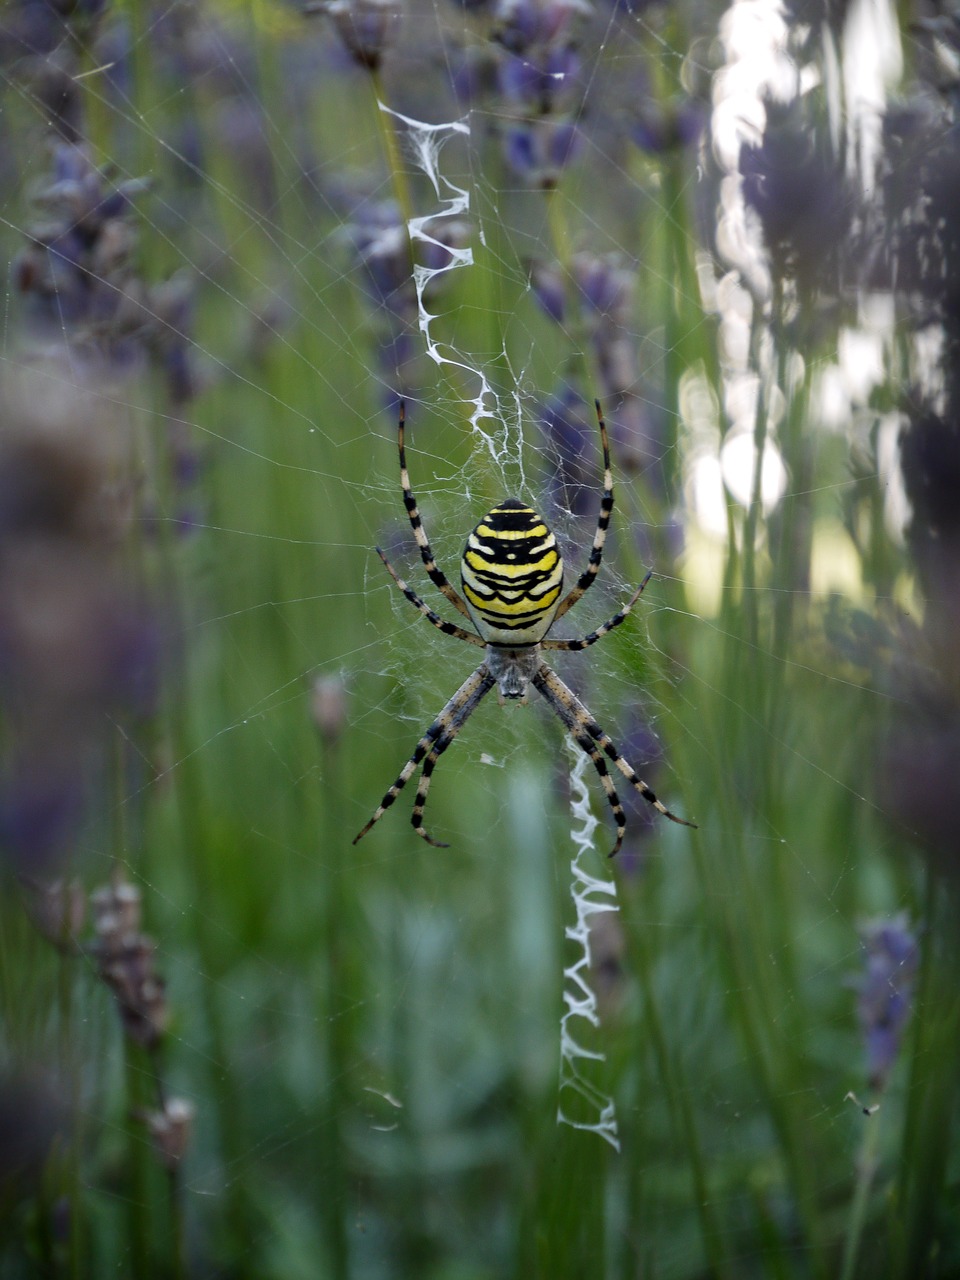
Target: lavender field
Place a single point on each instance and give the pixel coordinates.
(238, 237)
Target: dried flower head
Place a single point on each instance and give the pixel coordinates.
(328, 707)
(117, 913)
(125, 961)
(75, 640)
(58, 910)
(171, 1130)
(367, 27)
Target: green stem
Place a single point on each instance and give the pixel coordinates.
(679, 1093)
(752, 521)
(138, 1198)
(391, 147)
(866, 1165)
(335, 1025)
(582, 357)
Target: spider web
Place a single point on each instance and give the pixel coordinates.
(260, 536)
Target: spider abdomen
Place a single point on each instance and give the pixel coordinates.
(512, 575)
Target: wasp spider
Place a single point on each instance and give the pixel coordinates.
(512, 578)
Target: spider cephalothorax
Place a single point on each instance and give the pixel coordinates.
(511, 572)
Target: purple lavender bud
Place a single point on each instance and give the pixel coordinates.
(171, 306)
(930, 458)
(518, 25)
(474, 74)
(70, 164)
(797, 188)
(178, 370)
(542, 86)
(563, 143)
(132, 656)
(658, 130)
(521, 24)
(34, 1122)
(547, 286)
(566, 420)
(539, 150)
(520, 151)
(605, 284)
(76, 275)
(31, 27)
(689, 121)
(382, 246)
(40, 812)
(885, 992)
(474, 6)
(396, 351)
(87, 10)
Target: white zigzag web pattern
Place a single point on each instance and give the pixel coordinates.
(590, 896)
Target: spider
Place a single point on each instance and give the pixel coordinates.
(512, 578)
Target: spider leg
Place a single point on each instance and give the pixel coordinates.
(431, 747)
(586, 579)
(434, 572)
(589, 737)
(448, 628)
(574, 646)
(575, 725)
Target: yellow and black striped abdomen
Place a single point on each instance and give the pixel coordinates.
(512, 575)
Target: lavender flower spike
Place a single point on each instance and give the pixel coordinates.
(885, 992)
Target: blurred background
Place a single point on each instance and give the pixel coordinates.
(236, 235)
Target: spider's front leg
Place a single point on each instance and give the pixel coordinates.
(448, 628)
(434, 572)
(587, 578)
(576, 646)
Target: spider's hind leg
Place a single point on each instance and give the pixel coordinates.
(576, 719)
(591, 739)
(431, 747)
